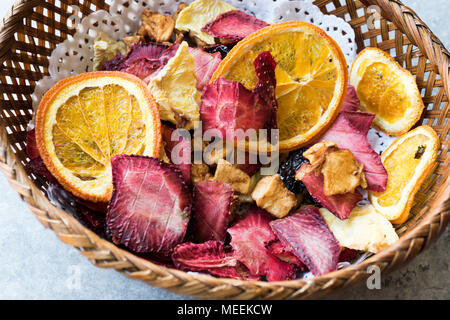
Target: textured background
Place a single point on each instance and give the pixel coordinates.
(34, 264)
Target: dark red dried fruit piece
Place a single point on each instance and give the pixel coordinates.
(351, 102)
(360, 120)
(116, 64)
(249, 237)
(280, 251)
(234, 25)
(210, 257)
(92, 215)
(265, 88)
(32, 150)
(227, 106)
(151, 205)
(351, 135)
(348, 255)
(341, 205)
(249, 168)
(307, 235)
(179, 152)
(143, 60)
(37, 167)
(212, 209)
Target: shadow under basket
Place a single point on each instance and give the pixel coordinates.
(33, 28)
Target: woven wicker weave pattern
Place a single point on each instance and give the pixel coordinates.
(33, 28)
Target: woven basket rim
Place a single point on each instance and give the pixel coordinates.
(422, 235)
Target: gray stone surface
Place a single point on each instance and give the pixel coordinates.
(34, 264)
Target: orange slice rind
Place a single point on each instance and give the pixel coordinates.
(409, 161)
(83, 121)
(388, 90)
(311, 77)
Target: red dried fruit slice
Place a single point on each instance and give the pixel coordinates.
(341, 205)
(234, 25)
(143, 60)
(349, 135)
(265, 87)
(179, 151)
(92, 215)
(248, 240)
(150, 51)
(212, 209)
(360, 120)
(210, 257)
(307, 235)
(351, 102)
(32, 150)
(228, 106)
(151, 205)
(36, 164)
(247, 167)
(37, 167)
(205, 66)
(280, 251)
(348, 255)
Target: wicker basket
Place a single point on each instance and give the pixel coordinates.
(33, 28)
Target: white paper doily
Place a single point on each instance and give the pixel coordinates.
(74, 55)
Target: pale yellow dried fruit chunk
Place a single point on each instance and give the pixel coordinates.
(194, 17)
(175, 89)
(271, 194)
(364, 230)
(236, 178)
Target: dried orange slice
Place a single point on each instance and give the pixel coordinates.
(83, 121)
(311, 77)
(409, 161)
(388, 90)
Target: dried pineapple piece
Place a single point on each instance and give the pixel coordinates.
(106, 49)
(175, 89)
(181, 7)
(194, 17)
(364, 230)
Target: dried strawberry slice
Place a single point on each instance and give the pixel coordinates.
(350, 135)
(151, 205)
(282, 253)
(143, 60)
(248, 240)
(37, 167)
(348, 255)
(265, 88)
(234, 25)
(351, 102)
(205, 65)
(227, 106)
(92, 215)
(150, 51)
(32, 150)
(341, 205)
(307, 235)
(210, 257)
(212, 209)
(36, 164)
(179, 151)
(360, 120)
